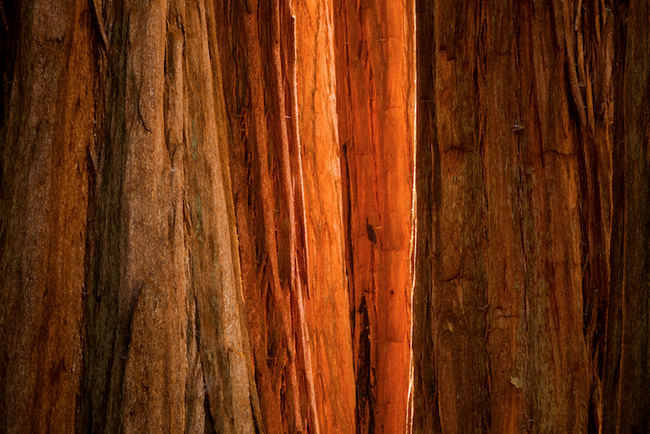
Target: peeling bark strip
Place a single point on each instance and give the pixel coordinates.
(257, 100)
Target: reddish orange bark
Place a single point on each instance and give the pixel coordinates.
(376, 118)
(327, 300)
(293, 108)
(290, 110)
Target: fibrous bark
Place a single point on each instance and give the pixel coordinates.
(47, 127)
(286, 168)
(627, 366)
(375, 44)
(525, 215)
(323, 210)
(206, 216)
(129, 301)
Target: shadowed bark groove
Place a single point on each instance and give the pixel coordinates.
(627, 368)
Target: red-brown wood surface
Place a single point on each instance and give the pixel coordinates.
(215, 216)
(375, 55)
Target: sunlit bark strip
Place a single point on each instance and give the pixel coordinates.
(326, 301)
(288, 181)
(376, 71)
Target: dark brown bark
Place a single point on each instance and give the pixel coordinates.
(627, 367)
(521, 193)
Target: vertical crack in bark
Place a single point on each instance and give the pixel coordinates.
(571, 62)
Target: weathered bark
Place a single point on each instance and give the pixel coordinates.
(206, 216)
(514, 325)
(291, 110)
(127, 304)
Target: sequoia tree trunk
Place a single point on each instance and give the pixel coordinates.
(215, 216)
(122, 308)
(531, 156)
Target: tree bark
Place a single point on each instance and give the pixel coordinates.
(375, 45)
(215, 216)
(522, 195)
(627, 362)
(328, 307)
(128, 303)
(46, 130)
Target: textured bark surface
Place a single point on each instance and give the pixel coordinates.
(627, 368)
(47, 107)
(521, 193)
(328, 304)
(128, 302)
(206, 216)
(375, 55)
(279, 91)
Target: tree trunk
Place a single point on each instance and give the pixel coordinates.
(126, 311)
(376, 119)
(515, 326)
(214, 216)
